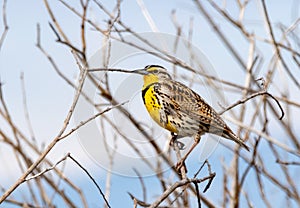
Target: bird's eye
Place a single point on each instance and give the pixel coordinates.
(155, 71)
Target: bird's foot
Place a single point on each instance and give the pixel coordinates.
(174, 141)
(180, 145)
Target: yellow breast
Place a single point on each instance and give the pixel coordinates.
(152, 104)
(155, 108)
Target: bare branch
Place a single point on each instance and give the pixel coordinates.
(93, 180)
(6, 27)
(180, 183)
(22, 179)
(278, 53)
(47, 169)
(252, 96)
(287, 162)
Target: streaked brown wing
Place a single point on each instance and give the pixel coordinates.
(192, 104)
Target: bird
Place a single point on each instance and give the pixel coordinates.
(179, 109)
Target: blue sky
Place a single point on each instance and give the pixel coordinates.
(49, 97)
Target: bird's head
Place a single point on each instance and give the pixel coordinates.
(153, 73)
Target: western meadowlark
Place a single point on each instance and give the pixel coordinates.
(179, 109)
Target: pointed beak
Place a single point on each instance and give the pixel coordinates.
(140, 71)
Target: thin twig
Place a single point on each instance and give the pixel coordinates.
(287, 162)
(91, 177)
(197, 194)
(142, 184)
(58, 39)
(252, 96)
(47, 169)
(6, 27)
(26, 111)
(52, 144)
(278, 53)
(82, 123)
(180, 183)
(220, 34)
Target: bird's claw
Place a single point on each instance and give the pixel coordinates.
(179, 144)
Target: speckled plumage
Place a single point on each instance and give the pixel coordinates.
(179, 109)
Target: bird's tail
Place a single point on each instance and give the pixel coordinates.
(228, 134)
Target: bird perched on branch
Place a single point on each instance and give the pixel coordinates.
(179, 109)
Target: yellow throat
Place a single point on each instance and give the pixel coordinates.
(149, 79)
